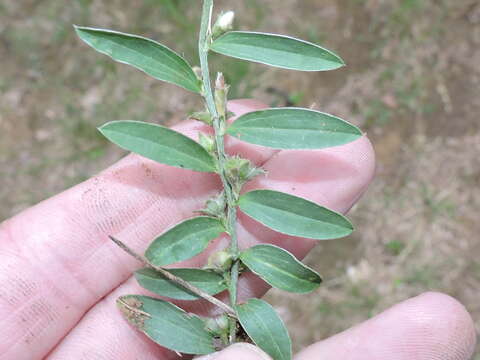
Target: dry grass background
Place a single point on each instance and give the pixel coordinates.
(412, 83)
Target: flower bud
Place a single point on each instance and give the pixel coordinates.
(241, 170)
(221, 260)
(221, 92)
(220, 82)
(215, 206)
(223, 24)
(202, 116)
(207, 142)
(217, 325)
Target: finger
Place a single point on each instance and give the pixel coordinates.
(432, 326)
(239, 351)
(56, 260)
(343, 173)
(109, 337)
(123, 342)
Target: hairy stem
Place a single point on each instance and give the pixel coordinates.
(219, 124)
(174, 278)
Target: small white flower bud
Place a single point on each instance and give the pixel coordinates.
(220, 82)
(221, 91)
(225, 21)
(223, 24)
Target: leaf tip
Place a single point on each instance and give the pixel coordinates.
(82, 32)
(348, 228)
(338, 61)
(78, 29)
(108, 125)
(101, 129)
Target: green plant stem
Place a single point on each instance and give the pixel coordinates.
(219, 124)
(233, 296)
(167, 274)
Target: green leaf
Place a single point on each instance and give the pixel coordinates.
(184, 240)
(276, 50)
(144, 54)
(280, 269)
(294, 216)
(167, 324)
(160, 144)
(208, 281)
(265, 328)
(293, 128)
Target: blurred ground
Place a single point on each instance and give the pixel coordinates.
(412, 83)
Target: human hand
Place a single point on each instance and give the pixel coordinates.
(60, 275)
(432, 326)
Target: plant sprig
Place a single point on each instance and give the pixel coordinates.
(281, 128)
(216, 106)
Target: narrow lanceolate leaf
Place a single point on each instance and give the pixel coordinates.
(295, 216)
(293, 128)
(160, 144)
(276, 50)
(144, 54)
(208, 281)
(167, 324)
(265, 328)
(280, 269)
(184, 240)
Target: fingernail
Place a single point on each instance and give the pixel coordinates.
(239, 351)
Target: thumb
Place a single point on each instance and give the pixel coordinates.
(239, 351)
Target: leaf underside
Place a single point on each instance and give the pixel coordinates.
(293, 215)
(167, 324)
(147, 55)
(276, 50)
(280, 269)
(208, 281)
(293, 128)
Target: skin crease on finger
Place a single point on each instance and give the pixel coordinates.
(92, 267)
(432, 326)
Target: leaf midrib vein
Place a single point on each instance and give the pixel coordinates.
(183, 74)
(174, 150)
